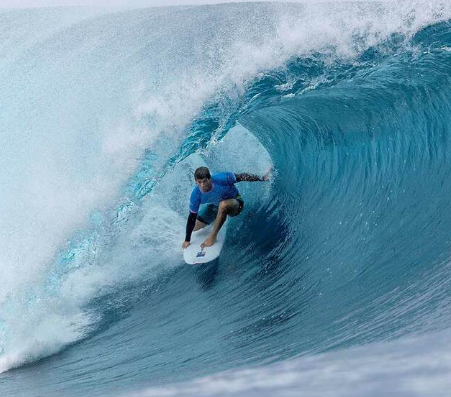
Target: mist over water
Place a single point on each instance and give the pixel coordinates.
(105, 116)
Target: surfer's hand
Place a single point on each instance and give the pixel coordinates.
(267, 175)
(185, 244)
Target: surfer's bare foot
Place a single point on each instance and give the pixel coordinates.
(209, 242)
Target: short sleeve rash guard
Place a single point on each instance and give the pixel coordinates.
(223, 188)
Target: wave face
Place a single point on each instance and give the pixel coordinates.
(105, 115)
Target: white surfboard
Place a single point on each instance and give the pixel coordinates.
(195, 255)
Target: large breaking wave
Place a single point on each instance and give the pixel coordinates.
(106, 114)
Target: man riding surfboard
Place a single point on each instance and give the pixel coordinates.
(218, 191)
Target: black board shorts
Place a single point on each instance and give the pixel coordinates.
(208, 213)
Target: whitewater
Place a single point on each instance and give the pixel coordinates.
(334, 280)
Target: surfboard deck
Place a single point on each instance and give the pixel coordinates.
(195, 255)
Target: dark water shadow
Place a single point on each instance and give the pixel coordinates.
(206, 274)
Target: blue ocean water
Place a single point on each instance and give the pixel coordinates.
(335, 279)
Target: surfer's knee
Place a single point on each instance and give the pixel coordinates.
(223, 205)
(230, 207)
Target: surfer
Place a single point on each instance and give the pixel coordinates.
(218, 191)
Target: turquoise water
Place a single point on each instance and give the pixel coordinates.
(335, 265)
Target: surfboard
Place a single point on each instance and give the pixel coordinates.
(195, 255)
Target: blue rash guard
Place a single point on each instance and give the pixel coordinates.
(223, 188)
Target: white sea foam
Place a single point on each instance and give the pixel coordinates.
(404, 368)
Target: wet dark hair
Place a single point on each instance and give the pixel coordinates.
(202, 173)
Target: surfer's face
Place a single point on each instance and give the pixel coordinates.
(204, 184)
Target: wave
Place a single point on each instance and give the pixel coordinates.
(106, 117)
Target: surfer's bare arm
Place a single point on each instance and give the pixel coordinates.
(190, 223)
(245, 177)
